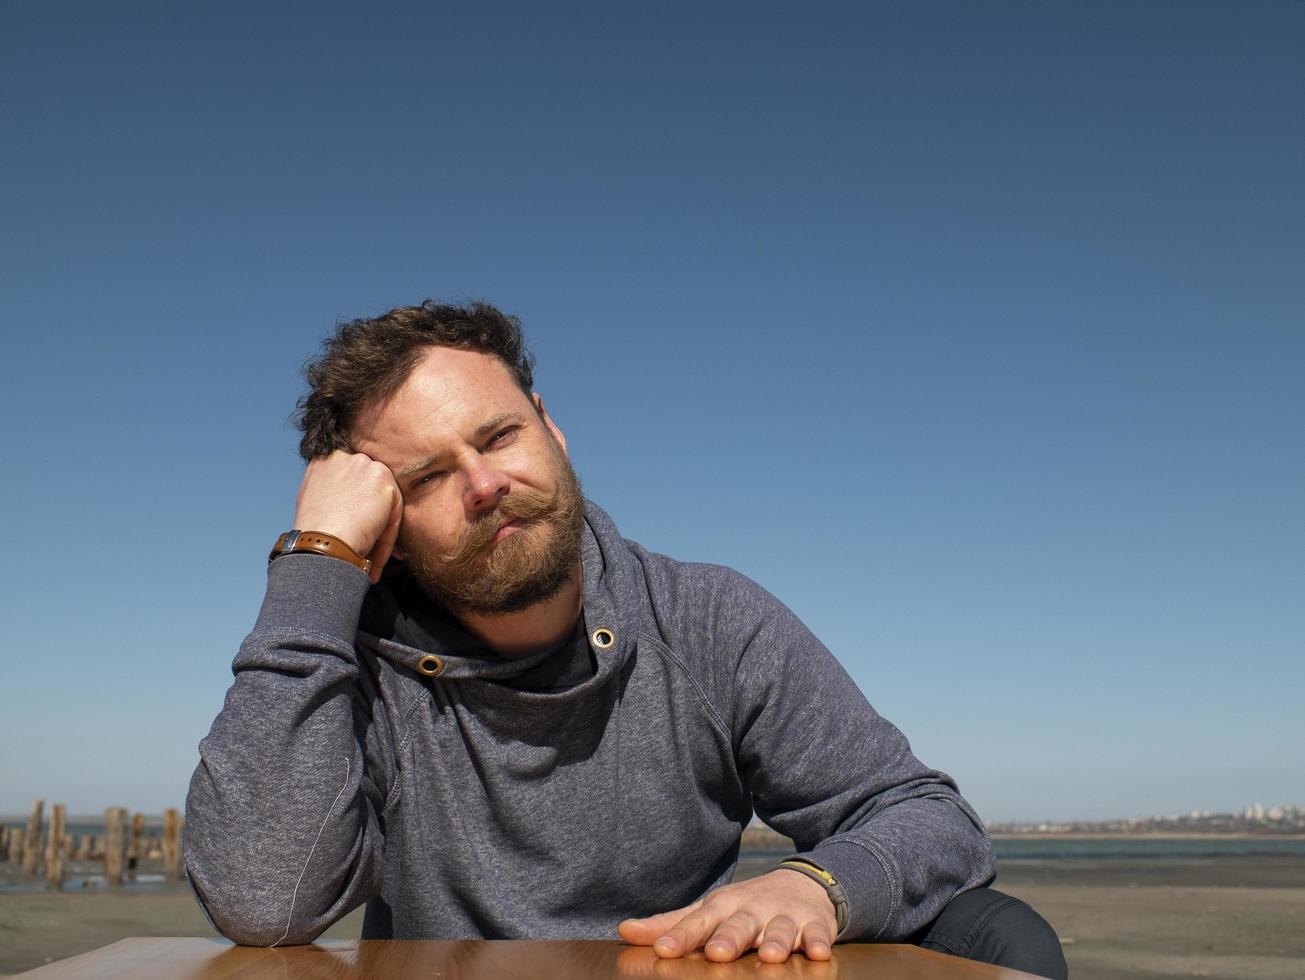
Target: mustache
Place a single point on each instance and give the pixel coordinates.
(525, 504)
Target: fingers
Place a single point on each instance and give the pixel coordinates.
(688, 934)
(779, 940)
(817, 941)
(777, 914)
(645, 932)
(723, 940)
(734, 937)
(351, 496)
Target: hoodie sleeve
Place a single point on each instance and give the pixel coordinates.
(825, 769)
(282, 833)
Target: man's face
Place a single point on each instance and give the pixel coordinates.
(492, 512)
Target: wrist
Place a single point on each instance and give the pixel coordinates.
(826, 882)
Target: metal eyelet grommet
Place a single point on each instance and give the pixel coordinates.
(603, 638)
(430, 666)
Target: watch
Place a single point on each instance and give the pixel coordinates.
(317, 543)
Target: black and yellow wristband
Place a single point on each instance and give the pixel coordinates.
(816, 873)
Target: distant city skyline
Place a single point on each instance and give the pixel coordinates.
(1286, 821)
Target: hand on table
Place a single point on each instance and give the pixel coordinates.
(777, 914)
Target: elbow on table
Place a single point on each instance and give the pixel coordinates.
(248, 921)
(253, 932)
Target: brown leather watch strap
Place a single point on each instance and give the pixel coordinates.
(318, 542)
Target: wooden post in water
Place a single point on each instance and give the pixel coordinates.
(171, 843)
(4, 843)
(136, 849)
(115, 844)
(83, 852)
(15, 845)
(32, 839)
(54, 851)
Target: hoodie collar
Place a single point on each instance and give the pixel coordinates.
(403, 625)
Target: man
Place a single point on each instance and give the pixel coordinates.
(469, 703)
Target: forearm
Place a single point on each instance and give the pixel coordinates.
(282, 835)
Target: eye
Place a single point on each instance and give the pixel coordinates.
(502, 437)
(427, 478)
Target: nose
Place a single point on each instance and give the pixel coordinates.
(486, 485)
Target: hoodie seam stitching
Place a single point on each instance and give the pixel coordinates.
(294, 895)
(393, 796)
(712, 715)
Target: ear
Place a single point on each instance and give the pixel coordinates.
(548, 422)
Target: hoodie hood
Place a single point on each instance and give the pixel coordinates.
(402, 624)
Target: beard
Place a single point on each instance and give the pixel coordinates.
(527, 567)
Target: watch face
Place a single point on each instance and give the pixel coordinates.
(291, 539)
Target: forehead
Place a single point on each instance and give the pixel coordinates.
(446, 397)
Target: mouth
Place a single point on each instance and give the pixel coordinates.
(509, 527)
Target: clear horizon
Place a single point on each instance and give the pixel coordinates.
(972, 332)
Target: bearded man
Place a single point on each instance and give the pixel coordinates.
(471, 704)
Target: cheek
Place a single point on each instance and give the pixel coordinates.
(420, 530)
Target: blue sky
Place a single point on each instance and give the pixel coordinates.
(972, 331)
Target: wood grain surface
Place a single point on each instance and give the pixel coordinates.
(215, 959)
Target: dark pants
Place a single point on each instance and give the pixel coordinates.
(988, 926)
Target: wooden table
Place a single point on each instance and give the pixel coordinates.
(211, 959)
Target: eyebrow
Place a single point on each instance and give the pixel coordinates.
(480, 433)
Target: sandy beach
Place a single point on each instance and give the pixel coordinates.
(1237, 918)
(1230, 918)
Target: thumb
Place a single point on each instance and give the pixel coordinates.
(645, 932)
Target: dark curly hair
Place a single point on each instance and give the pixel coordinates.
(367, 361)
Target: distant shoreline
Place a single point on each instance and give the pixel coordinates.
(1078, 835)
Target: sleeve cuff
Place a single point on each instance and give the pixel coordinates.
(871, 894)
(314, 592)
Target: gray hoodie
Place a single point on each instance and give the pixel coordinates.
(551, 796)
